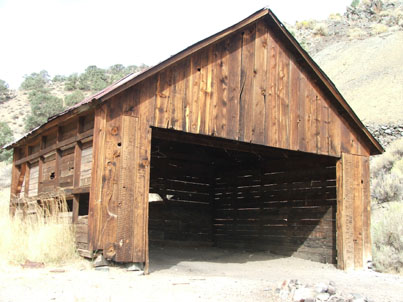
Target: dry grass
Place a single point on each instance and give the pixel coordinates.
(38, 232)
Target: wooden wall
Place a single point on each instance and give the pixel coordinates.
(353, 212)
(285, 206)
(246, 87)
(52, 160)
(249, 88)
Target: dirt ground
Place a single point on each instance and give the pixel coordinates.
(189, 274)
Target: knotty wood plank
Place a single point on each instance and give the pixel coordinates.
(194, 92)
(125, 214)
(358, 212)
(110, 176)
(272, 118)
(247, 84)
(94, 215)
(260, 80)
(163, 101)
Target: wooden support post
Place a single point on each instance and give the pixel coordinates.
(15, 171)
(76, 199)
(27, 178)
(353, 212)
(58, 157)
(40, 165)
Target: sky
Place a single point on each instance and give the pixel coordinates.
(66, 36)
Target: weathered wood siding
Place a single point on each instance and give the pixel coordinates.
(247, 88)
(353, 212)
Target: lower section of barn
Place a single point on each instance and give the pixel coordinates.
(231, 195)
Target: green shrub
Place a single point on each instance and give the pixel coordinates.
(71, 82)
(355, 3)
(43, 106)
(74, 98)
(93, 78)
(59, 78)
(4, 91)
(35, 80)
(6, 136)
(387, 238)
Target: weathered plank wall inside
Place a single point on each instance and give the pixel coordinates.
(185, 211)
(285, 206)
(353, 212)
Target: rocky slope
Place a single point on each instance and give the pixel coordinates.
(362, 52)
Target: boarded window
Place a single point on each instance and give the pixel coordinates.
(33, 180)
(86, 165)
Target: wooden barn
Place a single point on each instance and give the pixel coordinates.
(239, 141)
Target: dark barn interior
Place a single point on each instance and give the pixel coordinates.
(208, 191)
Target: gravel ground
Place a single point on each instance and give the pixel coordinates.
(189, 274)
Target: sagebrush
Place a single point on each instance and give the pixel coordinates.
(387, 237)
(387, 209)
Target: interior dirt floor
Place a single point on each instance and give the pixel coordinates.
(190, 274)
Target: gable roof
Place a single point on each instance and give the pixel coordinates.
(278, 29)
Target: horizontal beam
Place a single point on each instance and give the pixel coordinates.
(71, 140)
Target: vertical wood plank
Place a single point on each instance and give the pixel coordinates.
(340, 227)
(302, 137)
(366, 195)
(358, 212)
(272, 120)
(260, 88)
(76, 204)
(294, 115)
(234, 80)
(194, 88)
(27, 178)
(125, 213)
(323, 126)
(283, 99)
(95, 202)
(222, 89)
(334, 133)
(202, 118)
(40, 165)
(247, 84)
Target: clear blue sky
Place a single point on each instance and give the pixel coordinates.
(65, 36)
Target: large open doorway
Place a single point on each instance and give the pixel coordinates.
(211, 192)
